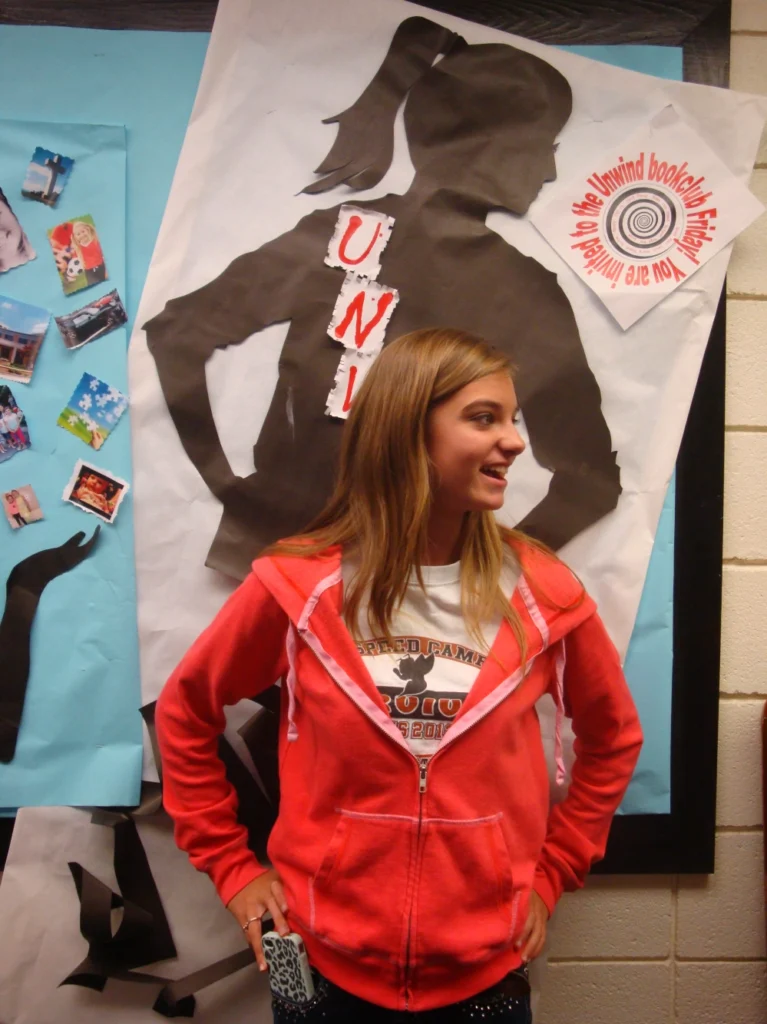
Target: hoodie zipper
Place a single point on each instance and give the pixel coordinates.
(423, 768)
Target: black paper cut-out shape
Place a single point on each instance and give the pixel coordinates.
(144, 936)
(481, 125)
(23, 590)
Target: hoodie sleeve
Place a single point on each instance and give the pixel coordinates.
(240, 654)
(607, 744)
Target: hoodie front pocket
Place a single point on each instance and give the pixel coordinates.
(465, 908)
(359, 895)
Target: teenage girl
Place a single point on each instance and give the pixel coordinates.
(415, 850)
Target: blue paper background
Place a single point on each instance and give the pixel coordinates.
(80, 741)
(147, 81)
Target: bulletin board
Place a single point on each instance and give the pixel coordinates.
(682, 840)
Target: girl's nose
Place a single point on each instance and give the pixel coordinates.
(513, 442)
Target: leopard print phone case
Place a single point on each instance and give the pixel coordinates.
(290, 976)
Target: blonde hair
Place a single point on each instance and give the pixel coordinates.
(382, 497)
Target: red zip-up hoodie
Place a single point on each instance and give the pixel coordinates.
(409, 881)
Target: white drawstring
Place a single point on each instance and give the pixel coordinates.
(290, 682)
(559, 668)
(559, 699)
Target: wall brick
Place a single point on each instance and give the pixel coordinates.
(750, 15)
(722, 916)
(746, 377)
(721, 993)
(744, 629)
(748, 73)
(745, 495)
(601, 920)
(607, 993)
(747, 273)
(739, 789)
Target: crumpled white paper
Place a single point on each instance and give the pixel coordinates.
(642, 217)
(40, 941)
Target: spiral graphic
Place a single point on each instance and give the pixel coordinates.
(640, 222)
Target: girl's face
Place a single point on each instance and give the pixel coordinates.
(10, 229)
(472, 441)
(82, 233)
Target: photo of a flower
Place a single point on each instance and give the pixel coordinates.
(93, 411)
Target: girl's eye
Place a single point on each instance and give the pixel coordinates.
(485, 418)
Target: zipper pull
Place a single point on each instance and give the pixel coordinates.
(423, 764)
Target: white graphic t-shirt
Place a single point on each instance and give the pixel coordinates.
(425, 678)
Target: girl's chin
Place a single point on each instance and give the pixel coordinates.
(491, 503)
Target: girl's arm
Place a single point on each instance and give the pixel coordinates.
(608, 741)
(239, 655)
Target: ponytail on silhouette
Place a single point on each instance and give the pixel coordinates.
(364, 146)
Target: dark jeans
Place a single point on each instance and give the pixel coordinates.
(507, 1002)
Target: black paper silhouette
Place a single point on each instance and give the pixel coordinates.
(481, 126)
(24, 588)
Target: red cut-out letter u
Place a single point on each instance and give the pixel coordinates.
(353, 226)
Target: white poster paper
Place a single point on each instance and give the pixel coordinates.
(269, 82)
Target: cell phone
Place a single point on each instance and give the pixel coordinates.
(290, 976)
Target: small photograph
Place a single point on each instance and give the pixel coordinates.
(93, 411)
(47, 175)
(77, 252)
(14, 433)
(22, 329)
(21, 506)
(88, 323)
(15, 248)
(95, 490)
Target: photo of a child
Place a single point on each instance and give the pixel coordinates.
(14, 433)
(95, 490)
(78, 255)
(15, 248)
(21, 506)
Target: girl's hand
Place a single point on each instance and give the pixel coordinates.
(533, 934)
(263, 894)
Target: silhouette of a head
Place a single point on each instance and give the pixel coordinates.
(481, 121)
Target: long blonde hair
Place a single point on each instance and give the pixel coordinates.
(382, 497)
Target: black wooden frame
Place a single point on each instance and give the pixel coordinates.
(682, 841)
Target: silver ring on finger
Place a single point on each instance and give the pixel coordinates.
(250, 921)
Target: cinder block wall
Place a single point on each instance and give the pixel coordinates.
(692, 950)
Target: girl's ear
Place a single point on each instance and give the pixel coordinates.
(362, 152)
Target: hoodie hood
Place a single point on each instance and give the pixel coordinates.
(310, 592)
